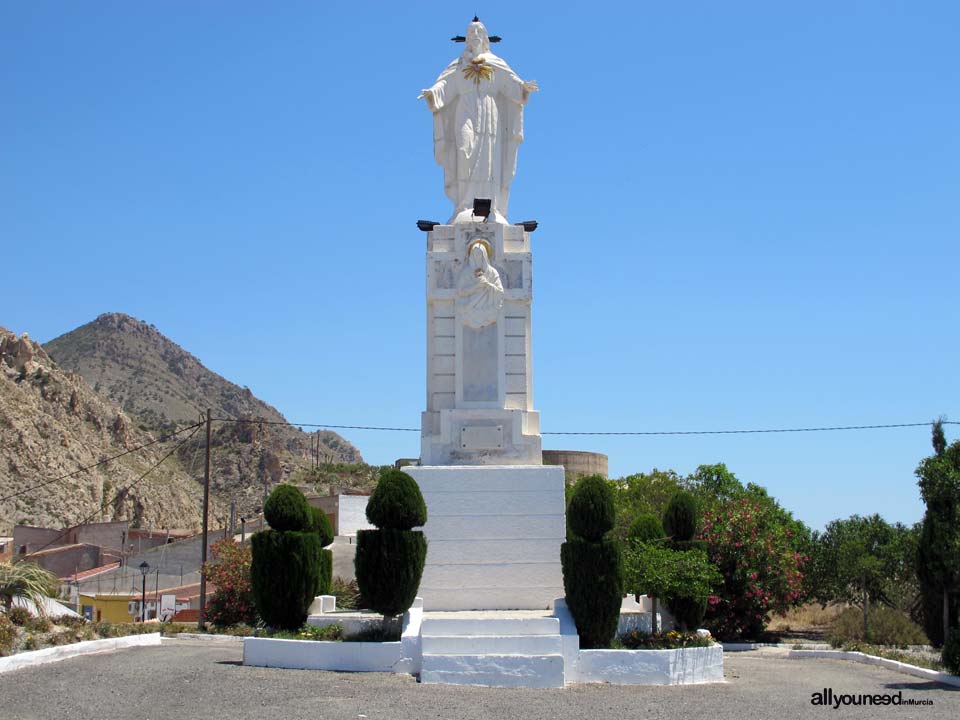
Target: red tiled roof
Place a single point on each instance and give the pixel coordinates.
(90, 573)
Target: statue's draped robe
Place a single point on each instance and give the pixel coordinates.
(477, 128)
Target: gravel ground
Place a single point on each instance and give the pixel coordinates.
(184, 679)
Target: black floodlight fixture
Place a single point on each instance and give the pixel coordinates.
(481, 207)
(426, 225)
(144, 568)
(528, 225)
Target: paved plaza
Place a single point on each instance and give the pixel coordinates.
(191, 679)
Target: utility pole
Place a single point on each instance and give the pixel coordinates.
(203, 549)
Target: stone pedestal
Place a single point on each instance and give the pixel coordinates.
(494, 534)
(479, 386)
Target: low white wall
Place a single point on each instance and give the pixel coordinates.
(684, 666)
(860, 657)
(63, 652)
(353, 514)
(321, 655)
(411, 644)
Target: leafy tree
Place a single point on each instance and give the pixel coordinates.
(642, 494)
(858, 560)
(652, 569)
(938, 552)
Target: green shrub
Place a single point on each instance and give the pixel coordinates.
(287, 509)
(346, 592)
(591, 513)
(396, 503)
(638, 640)
(320, 524)
(19, 615)
(376, 633)
(950, 656)
(888, 626)
(39, 625)
(284, 576)
(646, 528)
(684, 545)
(389, 564)
(593, 589)
(687, 611)
(8, 635)
(325, 576)
(680, 517)
(327, 632)
(70, 621)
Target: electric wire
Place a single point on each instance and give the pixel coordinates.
(96, 465)
(638, 432)
(116, 496)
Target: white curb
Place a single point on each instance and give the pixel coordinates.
(925, 673)
(63, 652)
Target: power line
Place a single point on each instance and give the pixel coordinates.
(96, 465)
(119, 492)
(639, 432)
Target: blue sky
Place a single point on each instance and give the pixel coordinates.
(749, 215)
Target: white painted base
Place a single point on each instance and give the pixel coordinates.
(64, 652)
(494, 535)
(684, 666)
(541, 671)
(314, 655)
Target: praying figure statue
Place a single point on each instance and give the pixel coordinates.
(479, 290)
(477, 105)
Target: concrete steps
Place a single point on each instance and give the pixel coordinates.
(492, 649)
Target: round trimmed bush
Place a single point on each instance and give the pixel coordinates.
(389, 564)
(646, 528)
(591, 513)
(320, 524)
(397, 502)
(287, 509)
(680, 517)
(593, 589)
(284, 576)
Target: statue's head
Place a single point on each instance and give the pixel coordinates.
(477, 39)
(478, 256)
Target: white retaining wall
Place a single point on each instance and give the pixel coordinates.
(860, 657)
(321, 655)
(64, 652)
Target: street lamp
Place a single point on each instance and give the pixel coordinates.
(144, 569)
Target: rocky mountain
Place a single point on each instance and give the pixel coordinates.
(160, 385)
(51, 424)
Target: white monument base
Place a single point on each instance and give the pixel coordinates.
(493, 536)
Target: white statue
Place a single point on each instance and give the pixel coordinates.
(479, 290)
(477, 105)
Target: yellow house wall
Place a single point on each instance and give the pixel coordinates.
(113, 608)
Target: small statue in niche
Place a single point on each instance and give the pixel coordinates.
(479, 290)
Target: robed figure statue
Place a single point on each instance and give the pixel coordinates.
(477, 105)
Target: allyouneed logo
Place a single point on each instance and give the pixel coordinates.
(828, 698)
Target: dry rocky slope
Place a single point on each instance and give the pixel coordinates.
(160, 386)
(51, 424)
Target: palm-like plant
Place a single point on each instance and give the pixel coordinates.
(27, 580)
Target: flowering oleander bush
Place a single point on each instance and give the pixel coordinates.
(761, 571)
(229, 572)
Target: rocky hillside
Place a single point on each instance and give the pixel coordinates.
(160, 385)
(51, 424)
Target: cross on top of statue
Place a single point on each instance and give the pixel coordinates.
(477, 105)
